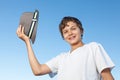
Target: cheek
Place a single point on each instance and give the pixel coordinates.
(64, 36)
(79, 33)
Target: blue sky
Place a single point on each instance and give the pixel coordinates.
(100, 19)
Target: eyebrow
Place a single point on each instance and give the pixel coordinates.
(67, 26)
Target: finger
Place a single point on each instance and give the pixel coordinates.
(23, 30)
(18, 29)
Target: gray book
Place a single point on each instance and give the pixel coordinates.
(29, 20)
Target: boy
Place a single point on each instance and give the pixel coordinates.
(82, 62)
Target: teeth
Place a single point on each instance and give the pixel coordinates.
(72, 37)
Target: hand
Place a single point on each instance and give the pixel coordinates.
(20, 33)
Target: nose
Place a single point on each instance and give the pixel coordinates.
(70, 32)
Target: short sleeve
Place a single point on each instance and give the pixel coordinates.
(102, 59)
(53, 65)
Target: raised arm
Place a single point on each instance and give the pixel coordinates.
(37, 68)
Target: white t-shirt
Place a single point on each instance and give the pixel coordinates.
(84, 63)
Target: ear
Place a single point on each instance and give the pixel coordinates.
(81, 33)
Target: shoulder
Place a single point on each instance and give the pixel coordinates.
(94, 44)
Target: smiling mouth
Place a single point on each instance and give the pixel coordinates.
(72, 38)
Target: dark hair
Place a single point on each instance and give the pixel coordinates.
(67, 19)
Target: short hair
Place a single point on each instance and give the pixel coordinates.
(67, 19)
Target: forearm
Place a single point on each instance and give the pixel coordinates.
(109, 77)
(106, 75)
(35, 65)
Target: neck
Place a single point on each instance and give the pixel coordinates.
(75, 46)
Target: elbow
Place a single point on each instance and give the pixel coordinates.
(37, 72)
(41, 70)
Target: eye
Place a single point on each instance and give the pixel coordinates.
(65, 31)
(73, 28)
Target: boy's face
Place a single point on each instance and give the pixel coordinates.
(72, 33)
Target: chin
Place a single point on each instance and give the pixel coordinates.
(73, 43)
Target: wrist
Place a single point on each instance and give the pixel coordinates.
(27, 41)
